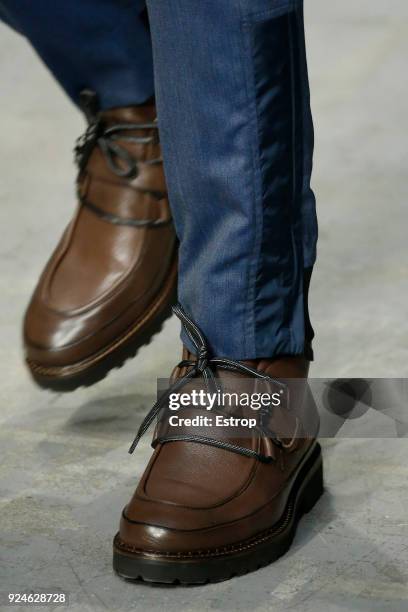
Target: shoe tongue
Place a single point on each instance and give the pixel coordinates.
(129, 114)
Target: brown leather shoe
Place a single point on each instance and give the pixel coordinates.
(211, 506)
(110, 282)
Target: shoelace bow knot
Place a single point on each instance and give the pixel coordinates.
(204, 366)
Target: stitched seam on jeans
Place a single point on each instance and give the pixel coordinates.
(257, 190)
(293, 155)
(247, 24)
(298, 170)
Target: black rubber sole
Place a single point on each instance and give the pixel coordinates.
(66, 379)
(258, 552)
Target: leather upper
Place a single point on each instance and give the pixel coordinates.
(107, 267)
(194, 496)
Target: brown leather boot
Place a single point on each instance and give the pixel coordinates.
(110, 282)
(212, 505)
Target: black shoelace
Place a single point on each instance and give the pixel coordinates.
(119, 160)
(117, 157)
(204, 366)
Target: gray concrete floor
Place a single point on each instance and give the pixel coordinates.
(65, 473)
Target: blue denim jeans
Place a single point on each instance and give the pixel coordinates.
(231, 86)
